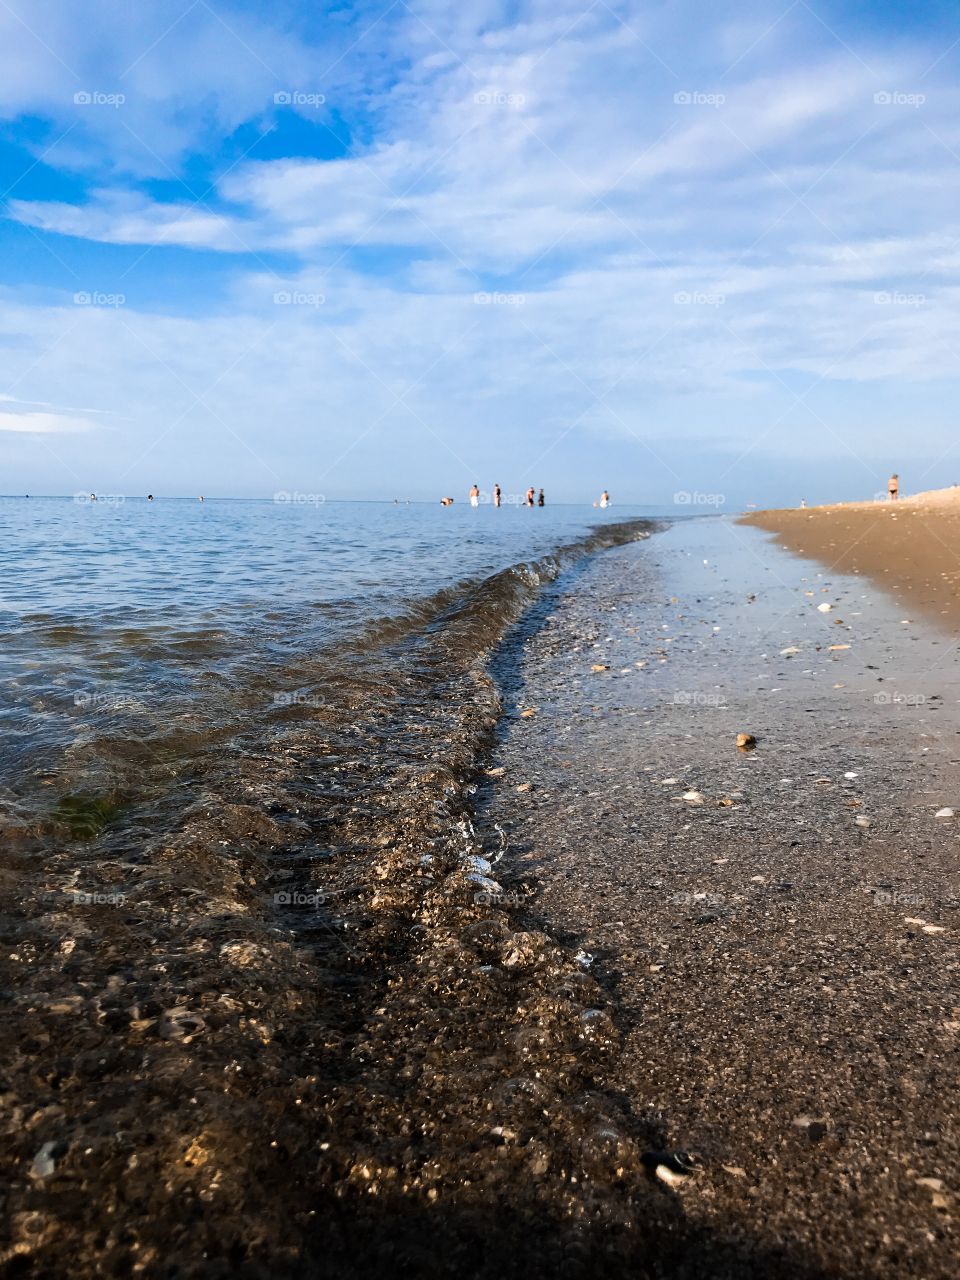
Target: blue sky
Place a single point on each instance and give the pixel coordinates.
(392, 248)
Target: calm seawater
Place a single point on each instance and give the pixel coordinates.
(143, 643)
(186, 560)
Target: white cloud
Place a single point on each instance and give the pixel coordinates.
(545, 162)
(36, 423)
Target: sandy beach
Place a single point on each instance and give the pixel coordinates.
(910, 547)
(777, 929)
(585, 990)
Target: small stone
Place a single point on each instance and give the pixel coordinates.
(530, 711)
(944, 813)
(746, 741)
(600, 666)
(44, 1162)
(670, 1167)
(814, 1127)
(825, 607)
(861, 821)
(932, 1184)
(692, 797)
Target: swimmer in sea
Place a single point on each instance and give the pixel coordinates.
(475, 496)
(604, 499)
(530, 496)
(496, 495)
(541, 500)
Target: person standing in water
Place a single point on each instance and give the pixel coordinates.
(604, 499)
(475, 496)
(530, 496)
(541, 501)
(496, 495)
(893, 487)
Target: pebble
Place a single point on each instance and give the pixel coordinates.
(670, 1167)
(746, 741)
(944, 813)
(933, 1184)
(825, 607)
(44, 1162)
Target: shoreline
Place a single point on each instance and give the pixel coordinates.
(906, 547)
(777, 928)
(513, 999)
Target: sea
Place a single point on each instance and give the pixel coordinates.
(149, 645)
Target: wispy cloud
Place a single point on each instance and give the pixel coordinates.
(588, 223)
(44, 424)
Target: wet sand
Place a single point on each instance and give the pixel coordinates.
(777, 929)
(519, 978)
(910, 547)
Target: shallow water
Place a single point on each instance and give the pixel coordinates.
(145, 643)
(238, 868)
